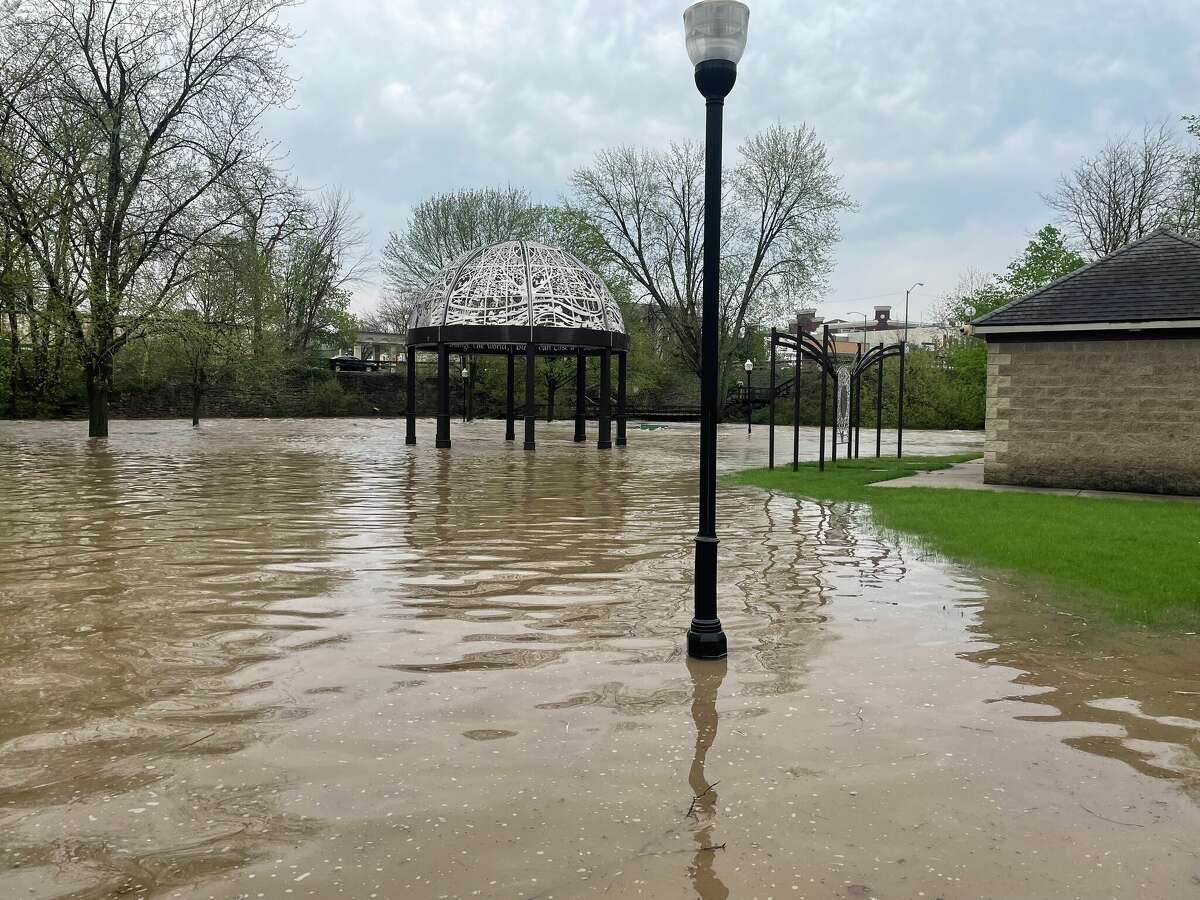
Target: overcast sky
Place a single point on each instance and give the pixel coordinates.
(945, 118)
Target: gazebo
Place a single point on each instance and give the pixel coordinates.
(520, 298)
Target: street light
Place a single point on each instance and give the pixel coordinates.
(715, 32)
(903, 366)
(864, 325)
(466, 373)
(749, 367)
(906, 293)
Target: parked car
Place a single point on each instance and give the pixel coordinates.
(353, 364)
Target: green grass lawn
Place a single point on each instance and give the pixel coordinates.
(1126, 560)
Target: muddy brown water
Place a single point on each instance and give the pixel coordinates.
(286, 659)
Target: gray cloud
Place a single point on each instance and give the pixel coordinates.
(945, 118)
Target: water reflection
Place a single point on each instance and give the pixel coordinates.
(707, 678)
(1147, 715)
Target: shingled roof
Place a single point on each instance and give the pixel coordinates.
(1155, 279)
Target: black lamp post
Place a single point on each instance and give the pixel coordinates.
(903, 364)
(749, 366)
(466, 375)
(716, 37)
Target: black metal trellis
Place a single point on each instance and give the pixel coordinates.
(823, 352)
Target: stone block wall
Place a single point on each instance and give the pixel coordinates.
(1107, 413)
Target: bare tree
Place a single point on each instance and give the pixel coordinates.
(390, 315)
(1184, 214)
(321, 263)
(444, 227)
(1123, 193)
(138, 110)
(779, 216)
(269, 212)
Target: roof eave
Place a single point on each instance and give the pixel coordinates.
(1045, 327)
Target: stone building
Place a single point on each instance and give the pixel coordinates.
(1094, 380)
(885, 329)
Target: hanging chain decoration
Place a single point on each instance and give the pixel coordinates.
(843, 403)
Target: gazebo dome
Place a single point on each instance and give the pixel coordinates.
(517, 284)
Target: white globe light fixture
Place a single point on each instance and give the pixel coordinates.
(716, 29)
(749, 366)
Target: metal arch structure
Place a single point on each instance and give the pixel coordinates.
(520, 297)
(823, 352)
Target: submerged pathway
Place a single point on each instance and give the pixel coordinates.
(287, 659)
(968, 476)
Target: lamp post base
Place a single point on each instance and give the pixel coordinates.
(706, 640)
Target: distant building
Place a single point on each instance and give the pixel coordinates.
(1094, 380)
(889, 331)
(378, 346)
(848, 334)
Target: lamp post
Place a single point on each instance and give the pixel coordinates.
(715, 32)
(466, 373)
(903, 364)
(864, 324)
(906, 293)
(749, 367)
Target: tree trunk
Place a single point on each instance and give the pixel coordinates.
(14, 369)
(99, 386)
(551, 390)
(198, 380)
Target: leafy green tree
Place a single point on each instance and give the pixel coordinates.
(134, 113)
(1046, 258)
(445, 226)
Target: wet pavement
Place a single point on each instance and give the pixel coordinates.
(298, 659)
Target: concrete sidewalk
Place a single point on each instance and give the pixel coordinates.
(968, 476)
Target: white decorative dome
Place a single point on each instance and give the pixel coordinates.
(517, 283)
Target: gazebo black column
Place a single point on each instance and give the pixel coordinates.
(604, 442)
(622, 372)
(580, 397)
(824, 394)
(510, 433)
(796, 395)
(771, 407)
(410, 401)
(443, 398)
(530, 409)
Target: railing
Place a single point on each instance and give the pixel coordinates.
(689, 409)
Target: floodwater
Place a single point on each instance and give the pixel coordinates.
(299, 659)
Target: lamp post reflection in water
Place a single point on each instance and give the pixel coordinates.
(707, 677)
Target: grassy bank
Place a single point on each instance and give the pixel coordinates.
(1131, 560)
